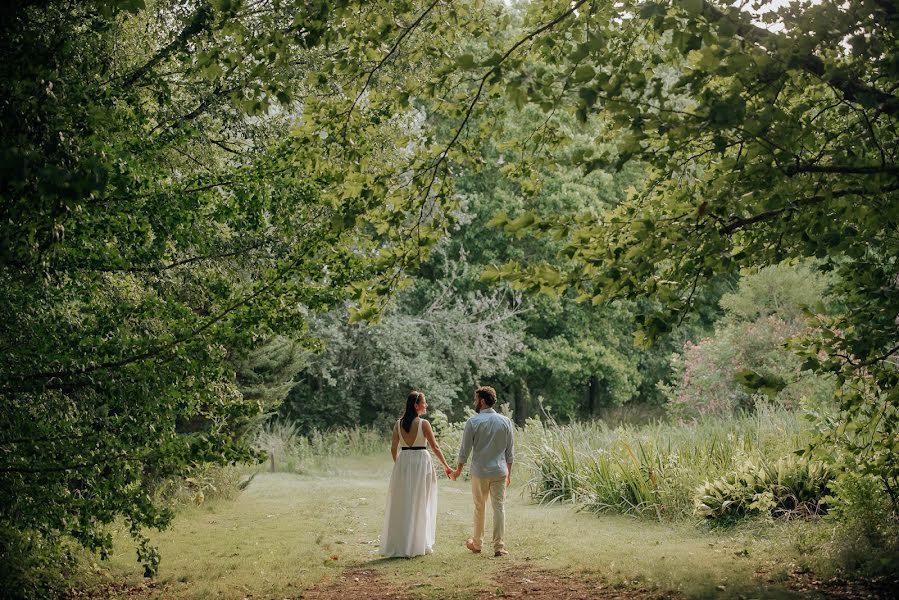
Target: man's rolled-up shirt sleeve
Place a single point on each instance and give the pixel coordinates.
(465, 448)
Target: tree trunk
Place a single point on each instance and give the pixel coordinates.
(519, 403)
(593, 396)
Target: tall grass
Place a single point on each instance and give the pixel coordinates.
(653, 470)
(287, 450)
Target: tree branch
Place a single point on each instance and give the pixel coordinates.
(737, 224)
(58, 379)
(842, 169)
(470, 109)
(193, 259)
(384, 60)
(200, 20)
(106, 460)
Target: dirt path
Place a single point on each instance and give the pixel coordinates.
(524, 581)
(517, 581)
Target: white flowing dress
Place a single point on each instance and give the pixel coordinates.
(410, 521)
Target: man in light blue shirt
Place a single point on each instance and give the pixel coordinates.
(488, 436)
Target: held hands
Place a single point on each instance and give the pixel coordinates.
(451, 473)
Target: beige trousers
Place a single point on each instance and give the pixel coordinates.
(495, 489)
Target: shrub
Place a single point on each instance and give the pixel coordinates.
(205, 483)
(866, 534)
(707, 374)
(449, 435)
(288, 450)
(787, 487)
(33, 565)
(767, 309)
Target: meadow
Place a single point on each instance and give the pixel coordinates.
(317, 518)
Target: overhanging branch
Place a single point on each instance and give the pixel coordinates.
(200, 20)
(852, 89)
(736, 224)
(842, 169)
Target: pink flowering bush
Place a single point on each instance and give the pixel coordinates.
(705, 373)
(766, 309)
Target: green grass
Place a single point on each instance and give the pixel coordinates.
(280, 536)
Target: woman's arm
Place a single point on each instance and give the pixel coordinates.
(395, 443)
(429, 435)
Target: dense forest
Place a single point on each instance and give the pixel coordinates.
(219, 214)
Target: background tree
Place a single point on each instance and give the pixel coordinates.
(436, 337)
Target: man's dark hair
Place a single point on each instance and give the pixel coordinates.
(487, 394)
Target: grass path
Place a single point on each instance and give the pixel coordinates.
(287, 535)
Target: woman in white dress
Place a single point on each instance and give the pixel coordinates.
(410, 522)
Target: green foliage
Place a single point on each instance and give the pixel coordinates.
(265, 374)
(182, 183)
(167, 204)
(581, 357)
(449, 434)
(758, 147)
(789, 292)
(437, 337)
(287, 450)
(787, 487)
(206, 483)
(741, 365)
(33, 566)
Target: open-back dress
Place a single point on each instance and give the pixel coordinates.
(410, 521)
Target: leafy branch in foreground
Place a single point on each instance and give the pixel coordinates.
(163, 214)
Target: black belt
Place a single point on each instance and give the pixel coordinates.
(414, 447)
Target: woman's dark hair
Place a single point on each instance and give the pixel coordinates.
(412, 401)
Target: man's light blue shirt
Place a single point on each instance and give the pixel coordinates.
(488, 435)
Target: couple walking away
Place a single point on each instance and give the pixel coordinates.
(410, 522)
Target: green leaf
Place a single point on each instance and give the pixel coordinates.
(131, 6)
(491, 274)
(466, 62)
(498, 220)
(524, 221)
(584, 73)
(692, 6)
